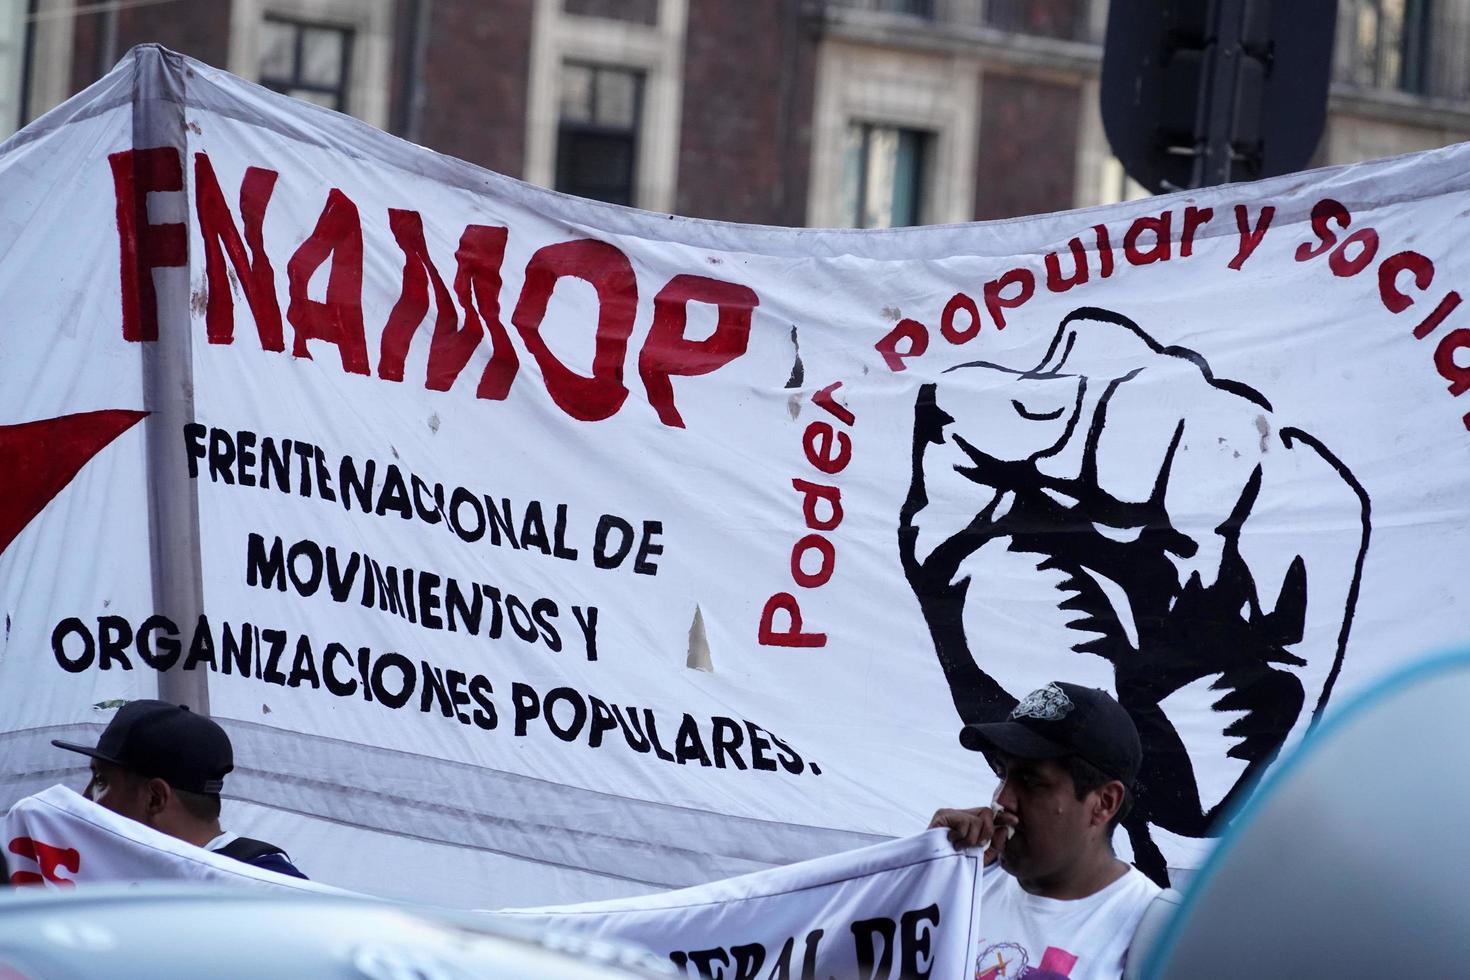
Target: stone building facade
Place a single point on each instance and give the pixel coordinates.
(790, 112)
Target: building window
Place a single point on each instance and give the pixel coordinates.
(883, 175)
(306, 61)
(597, 134)
(1387, 45)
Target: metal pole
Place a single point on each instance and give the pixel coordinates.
(168, 395)
(1214, 163)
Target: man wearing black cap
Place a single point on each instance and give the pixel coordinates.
(164, 766)
(1057, 902)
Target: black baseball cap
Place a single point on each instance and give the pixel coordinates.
(1061, 720)
(157, 739)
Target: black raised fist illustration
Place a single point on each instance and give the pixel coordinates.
(1207, 553)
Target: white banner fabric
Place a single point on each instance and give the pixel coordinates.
(904, 908)
(59, 839)
(586, 552)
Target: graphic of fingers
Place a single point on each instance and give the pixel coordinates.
(938, 527)
(1265, 532)
(1304, 542)
(1207, 553)
(986, 427)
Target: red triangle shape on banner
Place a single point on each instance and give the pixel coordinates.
(42, 457)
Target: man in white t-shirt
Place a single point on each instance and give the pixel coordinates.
(1056, 901)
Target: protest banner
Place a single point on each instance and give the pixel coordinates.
(905, 908)
(588, 552)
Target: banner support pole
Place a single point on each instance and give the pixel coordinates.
(168, 393)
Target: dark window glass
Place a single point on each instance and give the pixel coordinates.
(883, 175)
(911, 8)
(597, 135)
(633, 11)
(306, 61)
(916, 8)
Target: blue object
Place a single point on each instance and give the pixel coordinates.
(1351, 859)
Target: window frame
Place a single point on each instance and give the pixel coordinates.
(934, 92)
(632, 132)
(657, 51)
(372, 23)
(1388, 46)
(923, 142)
(301, 25)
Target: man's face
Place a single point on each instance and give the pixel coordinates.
(1053, 827)
(120, 790)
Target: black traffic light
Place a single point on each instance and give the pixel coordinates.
(1201, 92)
